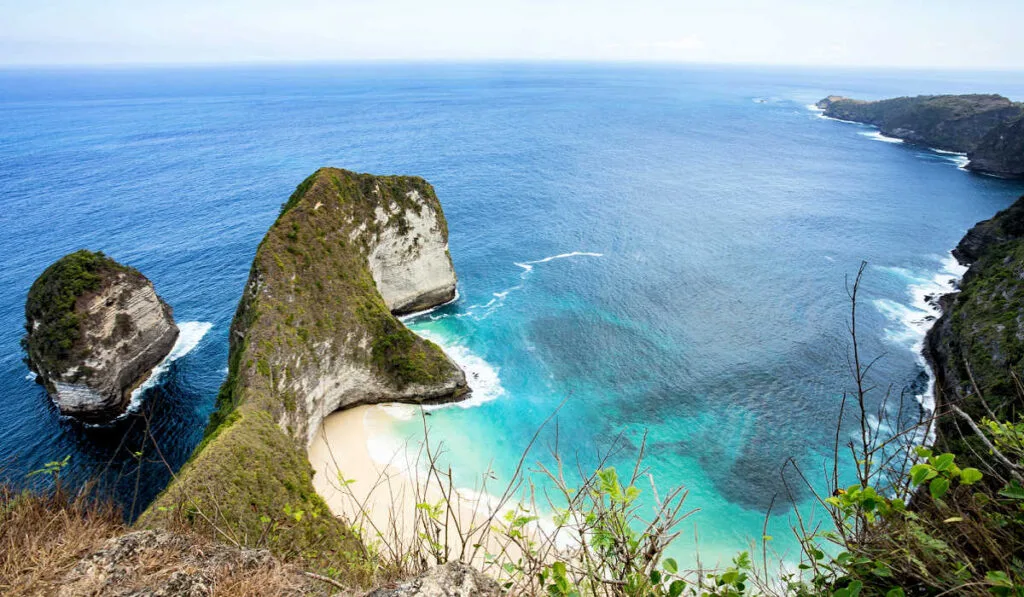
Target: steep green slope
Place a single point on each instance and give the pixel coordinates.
(977, 346)
(312, 334)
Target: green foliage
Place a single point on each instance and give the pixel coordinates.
(52, 468)
(52, 325)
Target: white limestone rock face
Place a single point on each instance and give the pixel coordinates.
(121, 331)
(410, 262)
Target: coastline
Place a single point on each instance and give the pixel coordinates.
(957, 158)
(917, 317)
(381, 485)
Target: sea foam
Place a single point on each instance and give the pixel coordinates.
(913, 320)
(528, 265)
(481, 376)
(878, 136)
(190, 333)
(480, 311)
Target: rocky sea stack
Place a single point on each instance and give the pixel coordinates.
(988, 128)
(95, 330)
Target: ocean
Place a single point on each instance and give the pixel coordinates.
(661, 250)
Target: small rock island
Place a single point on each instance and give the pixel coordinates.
(94, 331)
(989, 128)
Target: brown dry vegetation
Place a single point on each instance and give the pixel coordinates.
(57, 544)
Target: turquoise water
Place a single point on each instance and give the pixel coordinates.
(714, 216)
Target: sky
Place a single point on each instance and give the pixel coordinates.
(941, 34)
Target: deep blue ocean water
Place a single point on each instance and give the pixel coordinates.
(704, 221)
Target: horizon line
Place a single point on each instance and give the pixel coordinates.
(24, 66)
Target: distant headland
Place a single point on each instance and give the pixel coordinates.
(988, 129)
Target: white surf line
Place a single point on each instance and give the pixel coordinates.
(917, 318)
(959, 159)
(528, 265)
(190, 333)
(820, 113)
(498, 298)
(481, 376)
(879, 136)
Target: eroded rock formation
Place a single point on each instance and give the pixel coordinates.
(94, 331)
(315, 332)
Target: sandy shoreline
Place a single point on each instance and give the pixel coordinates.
(381, 497)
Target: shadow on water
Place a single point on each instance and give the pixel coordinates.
(131, 459)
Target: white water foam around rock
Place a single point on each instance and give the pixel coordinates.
(911, 321)
(190, 333)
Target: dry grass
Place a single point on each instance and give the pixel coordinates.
(57, 544)
(42, 536)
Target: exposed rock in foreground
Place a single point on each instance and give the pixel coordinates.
(988, 128)
(977, 345)
(454, 579)
(161, 564)
(315, 332)
(95, 330)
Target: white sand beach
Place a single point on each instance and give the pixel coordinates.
(382, 497)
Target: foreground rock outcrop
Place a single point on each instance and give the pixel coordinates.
(976, 348)
(988, 128)
(94, 331)
(453, 579)
(162, 564)
(315, 332)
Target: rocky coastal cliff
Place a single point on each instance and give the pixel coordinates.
(315, 332)
(1001, 151)
(976, 348)
(988, 128)
(94, 331)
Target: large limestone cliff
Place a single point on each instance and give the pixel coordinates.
(315, 331)
(409, 257)
(95, 330)
(986, 127)
(976, 348)
(316, 322)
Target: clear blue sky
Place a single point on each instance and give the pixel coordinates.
(977, 34)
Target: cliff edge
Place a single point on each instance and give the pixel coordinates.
(315, 331)
(94, 331)
(976, 348)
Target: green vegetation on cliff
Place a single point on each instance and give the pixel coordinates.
(977, 346)
(310, 308)
(50, 313)
(989, 128)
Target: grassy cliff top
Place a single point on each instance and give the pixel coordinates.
(954, 105)
(311, 296)
(309, 306)
(52, 325)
